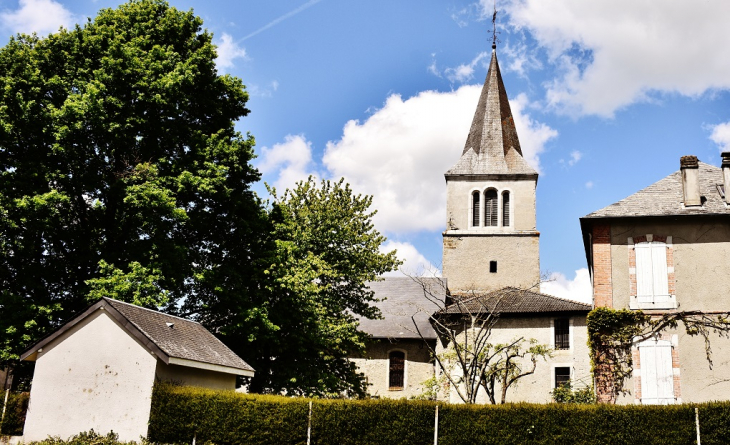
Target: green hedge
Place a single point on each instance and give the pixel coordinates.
(12, 424)
(226, 417)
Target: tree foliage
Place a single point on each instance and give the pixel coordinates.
(326, 251)
(121, 173)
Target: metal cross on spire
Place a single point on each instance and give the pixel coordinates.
(494, 26)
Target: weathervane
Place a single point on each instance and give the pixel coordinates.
(494, 26)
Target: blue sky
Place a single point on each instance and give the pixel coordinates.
(607, 95)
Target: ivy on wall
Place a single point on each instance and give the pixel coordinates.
(613, 332)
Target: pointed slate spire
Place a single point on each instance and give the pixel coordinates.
(492, 146)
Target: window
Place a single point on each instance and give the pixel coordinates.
(475, 209)
(492, 267)
(652, 282)
(657, 376)
(562, 375)
(505, 209)
(562, 333)
(491, 207)
(396, 371)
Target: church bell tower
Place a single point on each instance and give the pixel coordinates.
(491, 240)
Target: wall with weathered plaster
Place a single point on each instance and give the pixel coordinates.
(701, 250)
(375, 366)
(536, 387)
(468, 250)
(96, 376)
(195, 377)
(466, 261)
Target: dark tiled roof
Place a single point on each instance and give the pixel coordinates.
(185, 339)
(492, 146)
(665, 197)
(510, 300)
(166, 336)
(402, 298)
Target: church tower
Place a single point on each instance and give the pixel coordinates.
(491, 239)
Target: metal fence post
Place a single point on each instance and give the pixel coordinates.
(436, 427)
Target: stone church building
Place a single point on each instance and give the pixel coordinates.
(491, 259)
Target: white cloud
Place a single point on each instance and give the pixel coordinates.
(589, 185)
(721, 136)
(613, 53)
(228, 51)
(39, 16)
(464, 72)
(414, 264)
(575, 156)
(288, 162)
(400, 153)
(577, 289)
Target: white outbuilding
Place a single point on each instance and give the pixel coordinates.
(97, 370)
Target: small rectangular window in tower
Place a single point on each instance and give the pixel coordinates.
(492, 267)
(562, 375)
(562, 333)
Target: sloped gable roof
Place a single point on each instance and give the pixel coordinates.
(403, 298)
(173, 339)
(665, 197)
(513, 301)
(492, 146)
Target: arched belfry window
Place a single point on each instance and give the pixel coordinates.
(505, 209)
(396, 371)
(475, 209)
(491, 206)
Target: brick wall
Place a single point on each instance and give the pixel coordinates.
(602, 290)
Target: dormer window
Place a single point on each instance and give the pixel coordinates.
(505, 209)
(491, 208)
(475, 209)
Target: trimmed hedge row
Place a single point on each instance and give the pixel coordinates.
(225, 417)
(12, 424)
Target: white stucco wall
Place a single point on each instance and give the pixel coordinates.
(375, 366)
(93, 376)
(195, 377)
(536, 387)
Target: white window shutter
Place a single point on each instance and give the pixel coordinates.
(659, 271)
(657, 377)
(644, 275)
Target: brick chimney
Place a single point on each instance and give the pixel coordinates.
(726, 174)
(690, 168)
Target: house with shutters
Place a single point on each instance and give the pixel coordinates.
(667, 248)
(491, 259)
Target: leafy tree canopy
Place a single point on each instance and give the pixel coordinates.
(121, 173)
(326, 251)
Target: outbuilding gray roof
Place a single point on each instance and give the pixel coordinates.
(492, 146)
(403, 298)
(665, 198)
(513, 301)
(165, 335)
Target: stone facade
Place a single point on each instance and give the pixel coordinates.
(375, 364)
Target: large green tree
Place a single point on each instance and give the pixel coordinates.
(327, 249)
(121, 174)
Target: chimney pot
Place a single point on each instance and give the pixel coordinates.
(690, 168)
(726, 175)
